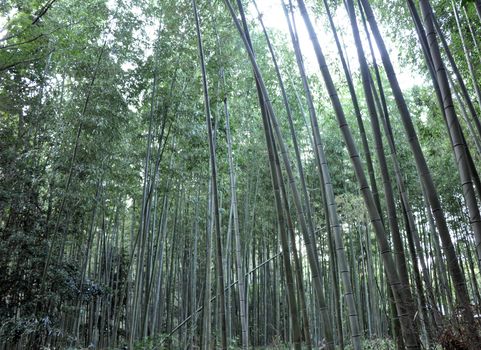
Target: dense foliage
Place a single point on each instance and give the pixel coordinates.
(114, 196)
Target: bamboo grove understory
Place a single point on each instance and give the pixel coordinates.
(255, 174)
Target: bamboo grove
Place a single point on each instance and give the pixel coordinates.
(220, 174)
